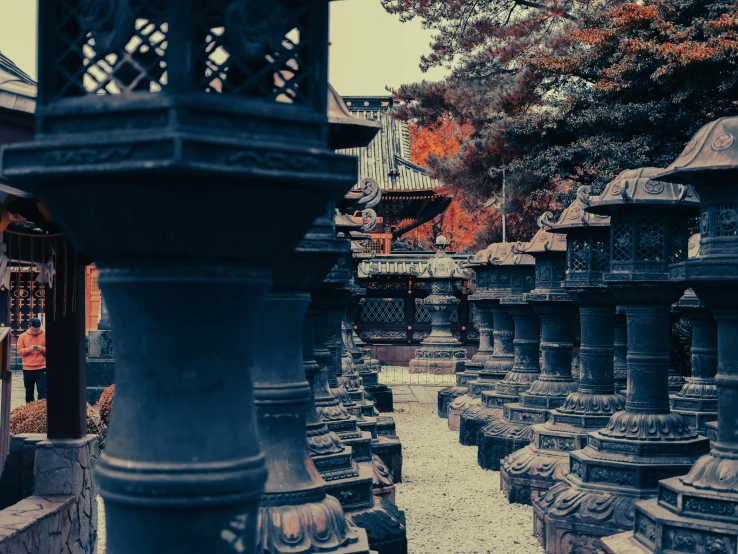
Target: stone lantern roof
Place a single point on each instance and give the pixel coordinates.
(543, 241)
(709, 157)
(576, 216)
(635, 188)
(503, 253)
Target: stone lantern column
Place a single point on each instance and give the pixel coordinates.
(696, 512)
(508, 276)
(512, 430)
(144, 110)
(454, 400)
(441, 352)
(620, 347)
(528, 473)
(623, 462)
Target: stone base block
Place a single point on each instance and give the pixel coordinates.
(492, 450)
(473, 420)
(336, 466)
(368, 425)
(457, 407)
(527, 474)
(446, 396)
(386, 426)
(711, 431)
(354, 493)
(697, 420)
(390, 451)
(385, 527)
(657, 529)
(436, 366)
(383, 399)
(362, 447)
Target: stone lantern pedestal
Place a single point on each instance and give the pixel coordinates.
(528, 473)
(441, 352)
(697, 513)
(512, 431)
(697, 400)
(508, 276)
(462, 396)
(620, 348)
(623, 462)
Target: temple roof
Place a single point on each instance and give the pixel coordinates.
(17, 89)
(387, 158)
(410, 196)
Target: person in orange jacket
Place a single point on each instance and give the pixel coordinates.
(32, 348)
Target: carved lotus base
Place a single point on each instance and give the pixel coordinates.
(345, 428)
(322, 440)
(551, 392)
(526, 474)
(383, 486)
(500, 438)
(465, 377)
(385, 527)
(570, 520)
(458, 406)
(310, 527)
(648, 427)
(446, 396)
(473, 419)
(587, 403)
(438, 366)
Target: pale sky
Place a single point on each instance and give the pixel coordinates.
(370, 49)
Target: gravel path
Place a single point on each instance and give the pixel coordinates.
(452, 505)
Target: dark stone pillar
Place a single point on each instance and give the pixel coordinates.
(525, 371)
(475, 366)
(65, 347)
(513, 431)
(352, 471)
(624, 462)
(621, 351)
(528, 473)
(294, 492)
(495, 369)
(100, 356)
(697, 401)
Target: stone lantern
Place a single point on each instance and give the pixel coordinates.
(623, 462)
(146, 112)
(483, 305)
(507, 276)
(441, 352)
(697, 400)
(696, 512)
(528, 473)
(550, 303)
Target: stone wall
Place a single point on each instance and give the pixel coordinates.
(61, 515)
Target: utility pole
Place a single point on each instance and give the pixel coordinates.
(494, 201)
(504, 207)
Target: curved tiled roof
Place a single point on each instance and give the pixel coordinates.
(387, 158)
(17, 89)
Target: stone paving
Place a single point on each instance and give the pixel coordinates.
(17, 392)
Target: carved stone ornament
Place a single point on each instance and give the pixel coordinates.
(311, 527)
(253, 27)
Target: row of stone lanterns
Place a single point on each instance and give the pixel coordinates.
(697, 512)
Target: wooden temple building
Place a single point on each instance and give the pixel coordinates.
(410, 197)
